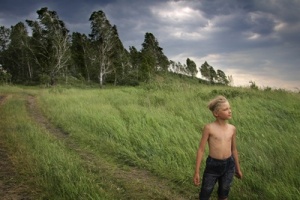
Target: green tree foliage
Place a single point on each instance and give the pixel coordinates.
(136, 61)
(4, 75)
(4, 38)
(178, 68)
(153, 58)
(204, 69)
(120, 61)
(51, 53)
(50, 44)
(222, 78)
(80, 51)
(253, 85)
(4, 43)
(212, 74)
(191, 67)
(18, 55)
(104, 41)
(209, 73)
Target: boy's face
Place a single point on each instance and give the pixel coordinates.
(224, 111)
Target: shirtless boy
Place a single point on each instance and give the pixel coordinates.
(222, 161)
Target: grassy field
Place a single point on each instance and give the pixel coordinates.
(154, 128)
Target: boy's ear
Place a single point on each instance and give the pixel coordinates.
(215, 113)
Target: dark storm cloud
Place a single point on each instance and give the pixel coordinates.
(256, 16)
(247, 39)
(17, 7)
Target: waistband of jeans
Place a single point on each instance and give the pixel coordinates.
(221, 160)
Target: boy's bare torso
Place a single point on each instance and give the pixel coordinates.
(220, 140)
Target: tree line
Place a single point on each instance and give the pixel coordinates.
(51, 54)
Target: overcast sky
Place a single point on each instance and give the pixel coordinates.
(252, 40)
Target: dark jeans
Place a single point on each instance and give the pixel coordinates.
(217, 170)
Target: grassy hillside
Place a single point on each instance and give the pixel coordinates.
(156, 128)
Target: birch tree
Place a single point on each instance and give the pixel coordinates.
(4, 38)
(4, 42)
(103, 41)
(51, 44)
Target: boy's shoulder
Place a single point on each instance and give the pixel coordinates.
(209, 125)
(213, 125)
(231, 125)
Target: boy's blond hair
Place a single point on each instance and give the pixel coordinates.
(215, 103)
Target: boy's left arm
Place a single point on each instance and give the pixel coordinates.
(238, 172)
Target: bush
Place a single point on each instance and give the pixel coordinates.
(4, 75)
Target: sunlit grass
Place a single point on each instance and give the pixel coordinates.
(44, 163)
(158, 126)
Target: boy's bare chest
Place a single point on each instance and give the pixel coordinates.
(221, 135)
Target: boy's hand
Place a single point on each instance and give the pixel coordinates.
(196, 179)
(239, 174)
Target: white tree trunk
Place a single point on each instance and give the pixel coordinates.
(101, 77)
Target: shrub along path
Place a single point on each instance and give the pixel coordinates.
(128, 182)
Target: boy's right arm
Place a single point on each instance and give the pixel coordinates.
(200, 153)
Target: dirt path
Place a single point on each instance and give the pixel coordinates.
(10, 187)
(132, 183)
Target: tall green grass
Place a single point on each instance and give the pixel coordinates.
(158, 126)
(43, 163)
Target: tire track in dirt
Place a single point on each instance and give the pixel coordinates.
(4, 98)
(132, 181)
(36, 114)
(10, 187)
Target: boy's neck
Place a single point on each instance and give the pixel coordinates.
(221, 122)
